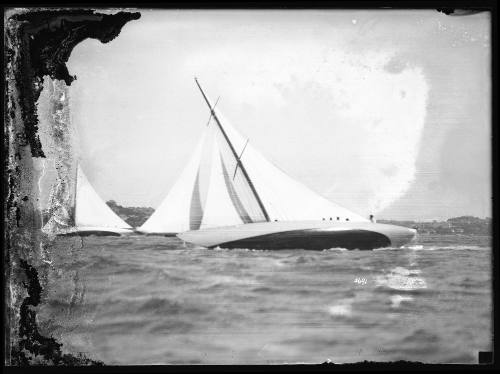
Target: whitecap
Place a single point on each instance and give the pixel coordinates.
(400, 282)
(387, 248)
(448, 248)
(220, 249)
(396, 300)
(228, 279)
(416, 247)
(336, 249)
(340, 310)
(404, 271)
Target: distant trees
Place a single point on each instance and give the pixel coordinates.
(458, 225)
(134, 216)
(471, 225)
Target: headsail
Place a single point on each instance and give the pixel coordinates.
(285, 198)
(182, 209)
(219, 209)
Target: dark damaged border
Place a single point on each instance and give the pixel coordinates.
(45, 39)
(38, 43)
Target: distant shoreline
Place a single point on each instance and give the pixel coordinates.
(467, 225)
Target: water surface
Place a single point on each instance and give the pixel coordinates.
(154, 300)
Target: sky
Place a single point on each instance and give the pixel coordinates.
(384, 112)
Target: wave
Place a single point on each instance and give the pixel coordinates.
(122, 325)
(400, 278)
(451, 248)
(339, 249)
(422, 336)
(404, 271)
(396, 300)
(228, 281)
(153, 305)
(267, 290)
(342, 310)
(423, 247)
(157, 305)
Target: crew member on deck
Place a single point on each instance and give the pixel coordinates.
(372, 218)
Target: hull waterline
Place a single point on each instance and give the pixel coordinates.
(154, 233)
(307, 235)
(97, 231)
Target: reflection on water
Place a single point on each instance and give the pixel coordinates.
(401, 278)
(154, 300)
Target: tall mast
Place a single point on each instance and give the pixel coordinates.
(250, 183)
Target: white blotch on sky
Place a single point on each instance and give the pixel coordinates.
(378, 114)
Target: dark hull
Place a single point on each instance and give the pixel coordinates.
(310, 235)
(90, 233)
(166, 234)
(313, 240)
(94, 231)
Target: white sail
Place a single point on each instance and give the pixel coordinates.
(241, 186)
(283, 197)
(182, 207)
(219, 208)
(91, 210)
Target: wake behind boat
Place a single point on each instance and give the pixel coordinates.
(230, 196)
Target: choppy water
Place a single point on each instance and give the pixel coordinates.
(152, 300)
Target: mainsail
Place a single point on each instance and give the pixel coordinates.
(284, 198)
(241, 187)
(219, 209)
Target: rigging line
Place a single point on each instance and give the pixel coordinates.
(243, 150)
(238, 160)
(259, 201)
(211, 115)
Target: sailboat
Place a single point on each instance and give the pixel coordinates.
(244, 201)
(90, 215)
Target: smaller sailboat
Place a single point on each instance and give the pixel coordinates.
(89, 215)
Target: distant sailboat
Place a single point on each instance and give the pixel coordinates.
(90, 214)
(247, 202)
